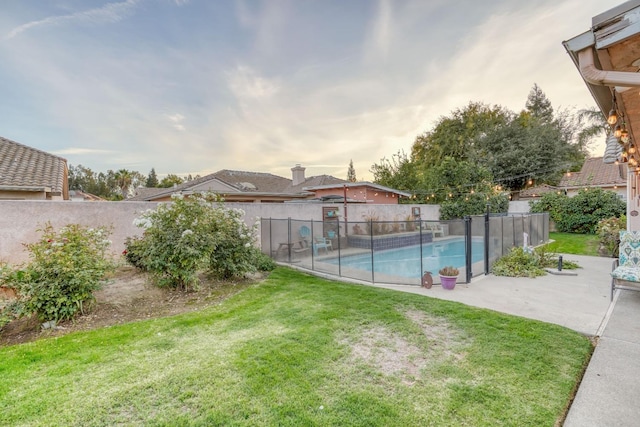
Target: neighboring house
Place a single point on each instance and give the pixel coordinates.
(607, 58)
(594, 174)
(81, 196)
(358, 192)
(536, 192)
(30, 174)
(243, 186)
(259, 187)
(597, 174)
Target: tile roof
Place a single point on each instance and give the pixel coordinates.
(596, 173)
(22, 166)
(537, 191)
(244, 182)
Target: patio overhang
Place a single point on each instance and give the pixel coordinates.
(608, 59)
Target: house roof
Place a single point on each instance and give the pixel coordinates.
(596, 173)
(24, 168)
(242, 182)
(537, 191)
(343, 183)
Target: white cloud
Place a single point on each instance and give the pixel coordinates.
(176, 120)
(109, 13)
(381, 31)
(246, 83)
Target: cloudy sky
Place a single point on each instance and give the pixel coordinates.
(195, 86)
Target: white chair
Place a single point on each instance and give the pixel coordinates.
(321, 243)
(436, 229)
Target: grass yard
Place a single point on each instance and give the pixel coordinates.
(296, 350)
(578, 244)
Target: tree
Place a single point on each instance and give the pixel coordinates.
(123, 179)
(399, 172)
(152, 179)
(538, 105)
(169, 181)
(457, 135)
(84, 179)
(595, 124)
(351, 172)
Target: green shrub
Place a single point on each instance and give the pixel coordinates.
(581, 213)
(134, 252)
(518, 263)
(192, 234)
(474, 204)
(521, 262)
(608, 231)
(233, 253)
(263, 262)
(66, 267)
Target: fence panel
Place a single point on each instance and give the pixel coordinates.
(397, 252)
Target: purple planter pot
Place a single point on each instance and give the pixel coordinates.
(448, 282)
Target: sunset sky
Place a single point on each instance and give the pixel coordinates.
(195, 86)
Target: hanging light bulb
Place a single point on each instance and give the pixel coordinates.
(613, 115)
(617, 131)
(530, 181)
(632, 149)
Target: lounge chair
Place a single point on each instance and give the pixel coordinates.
(626, 269)
(321, 243)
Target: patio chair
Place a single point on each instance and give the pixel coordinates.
(321, 243)
(305, 232)
(626, 269)
(436, 229)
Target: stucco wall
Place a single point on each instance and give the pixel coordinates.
(20, 219)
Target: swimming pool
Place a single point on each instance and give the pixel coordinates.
(405, 262)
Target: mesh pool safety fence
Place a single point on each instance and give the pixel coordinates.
(400, 252)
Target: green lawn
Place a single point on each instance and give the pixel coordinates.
(570, 243)
(299, 350)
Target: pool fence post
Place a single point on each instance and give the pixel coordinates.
(339, 254)
(467, 238)
(289, 238)
(486, 240)
(373, 275)
(313, 265)
(421, 262)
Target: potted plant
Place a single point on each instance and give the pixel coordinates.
(448, 277)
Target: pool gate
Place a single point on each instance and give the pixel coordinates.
(400, 252)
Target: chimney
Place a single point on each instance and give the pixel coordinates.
(298, 174)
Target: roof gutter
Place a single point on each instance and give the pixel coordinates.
(595, 76)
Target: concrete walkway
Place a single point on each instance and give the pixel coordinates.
(577, 302)
(609, 394)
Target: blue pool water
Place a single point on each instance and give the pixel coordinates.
(405, 262)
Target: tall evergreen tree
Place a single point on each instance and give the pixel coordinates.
(152, 179)
(351, 173)
(538, 105)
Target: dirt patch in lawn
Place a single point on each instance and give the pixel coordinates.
(127, 297)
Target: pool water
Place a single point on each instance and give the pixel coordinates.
(405, 262)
